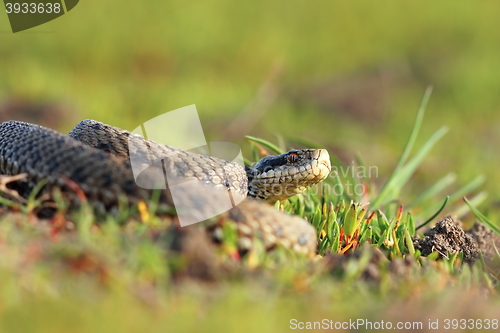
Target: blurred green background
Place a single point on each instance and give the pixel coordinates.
(348, 75)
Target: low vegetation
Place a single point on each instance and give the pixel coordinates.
(69, 272)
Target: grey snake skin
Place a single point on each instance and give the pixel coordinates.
(95, 158)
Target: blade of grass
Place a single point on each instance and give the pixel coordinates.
(465, 190)
(255, 153)
(482, 218)
(473, 185)
(400, 177)
(416, 128)
(439, 186)
(436, 214)
(405, 173)
(367, 177)
(340, 187)
(264, 143)
(409, 242)
(476, 200)
(281, 141)
(408, 147)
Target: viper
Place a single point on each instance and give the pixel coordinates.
(96, 161)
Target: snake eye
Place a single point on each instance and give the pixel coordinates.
(293, 157)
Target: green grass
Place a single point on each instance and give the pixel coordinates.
(300, 69)
(58, 274)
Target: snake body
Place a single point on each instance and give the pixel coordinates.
(94, 159)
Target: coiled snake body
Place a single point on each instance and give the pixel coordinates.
(95, 158)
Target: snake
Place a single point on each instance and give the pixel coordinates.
(93, 163)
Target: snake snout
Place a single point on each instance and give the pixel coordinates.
(324, 165)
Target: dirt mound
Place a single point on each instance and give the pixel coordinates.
(447, 236)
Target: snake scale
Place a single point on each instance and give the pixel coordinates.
(94, 158)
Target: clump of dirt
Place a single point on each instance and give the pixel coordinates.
(447, 236)
(487, 240)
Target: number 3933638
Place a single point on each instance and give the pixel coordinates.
(26, 14)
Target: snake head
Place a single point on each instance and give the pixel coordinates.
(279, 177)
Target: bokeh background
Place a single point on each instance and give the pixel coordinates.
(346, 75)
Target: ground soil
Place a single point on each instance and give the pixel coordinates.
(448, 237)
